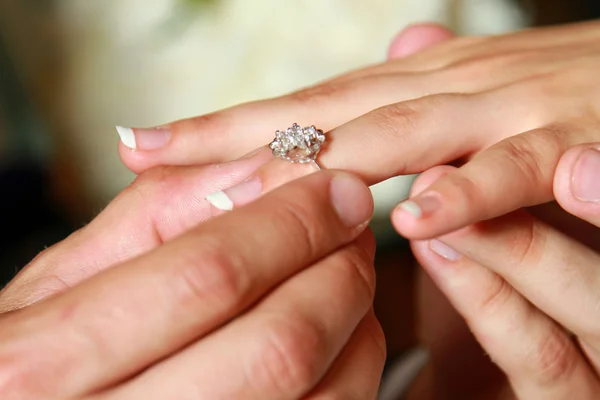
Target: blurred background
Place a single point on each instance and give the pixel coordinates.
(70, 70)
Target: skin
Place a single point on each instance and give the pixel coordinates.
(293, 346)
(529, 96)
(528, 292)
(504, 111)
(156, 304)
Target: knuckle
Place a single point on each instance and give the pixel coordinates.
(157, 186)
(527, 244)
(359, 273)
(303, 227)
(394, 120)
(553, 359)
(318, 94)
(290, 357)
(535, 154)
(207, 124)
(480, 65)
(521, 152)
(465, 188)
(496, 297)
(211, 274)
(148, 183)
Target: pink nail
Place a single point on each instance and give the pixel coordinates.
(144, 138)
(585, 180)
(444, 250)
(243, 193)
(350, 197)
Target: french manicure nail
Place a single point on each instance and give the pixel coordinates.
(585, 180)
(146, 138)
(350, 198)
(444, 250)
(127, 136)
(237, 195)
(421, 206)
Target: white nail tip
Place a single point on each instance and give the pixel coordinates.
(412, 208)
(127, 136)
(220, 200)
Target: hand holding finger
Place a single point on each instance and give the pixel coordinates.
(474, 268)
(192, 284)
(160, 205)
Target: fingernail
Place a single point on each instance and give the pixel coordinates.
(237, 195)
(444, 250)
(127, 136)
(421, 206)
(146, 138)
(585, 180)
(351, 199)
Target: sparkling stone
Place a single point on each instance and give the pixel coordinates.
(297, 144)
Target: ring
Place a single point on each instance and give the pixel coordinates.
(297, 144)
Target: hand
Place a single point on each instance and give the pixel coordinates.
(505, 107)
(261, 303)
(528, 292)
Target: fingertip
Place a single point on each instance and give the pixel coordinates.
(409, 217)
(351, 199)
(406, 220)
(416, 38)
(576, 186)
(132, 159)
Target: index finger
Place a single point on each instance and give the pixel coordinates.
(126, 318)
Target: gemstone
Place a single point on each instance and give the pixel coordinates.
(297, 144)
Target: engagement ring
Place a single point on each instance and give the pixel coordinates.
(298, 145)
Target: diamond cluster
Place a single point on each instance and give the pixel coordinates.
(298, 144)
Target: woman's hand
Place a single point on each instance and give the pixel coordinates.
(505, 107)
(529, 292)
(272, 301)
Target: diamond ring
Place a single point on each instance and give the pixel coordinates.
(298, 145)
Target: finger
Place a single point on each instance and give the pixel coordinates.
(280, 349)
(356, 374)
(554, 272)
(576, 183)
(416, 38)
(192, 285)
(462, 51)
(537, 355)
(419, 125)
(516, 172)
(528, 239)
(157, 207)
(228, 134)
